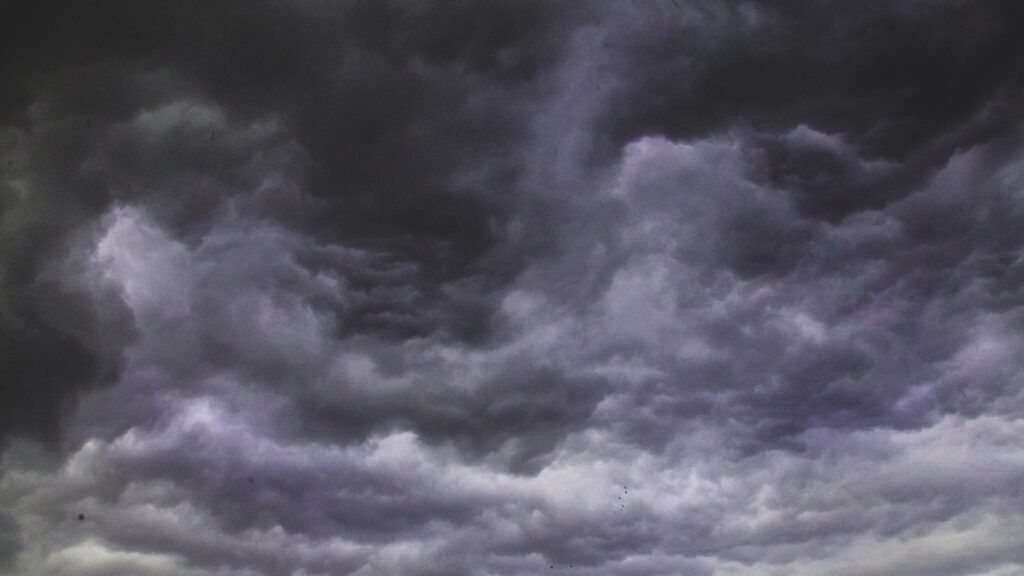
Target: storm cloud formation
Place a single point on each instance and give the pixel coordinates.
(648, 287)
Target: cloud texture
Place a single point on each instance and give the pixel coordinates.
(637, 288)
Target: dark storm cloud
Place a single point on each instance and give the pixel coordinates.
(840, 327)
(386, 102)
(389, 99)
(43, 319)
(724, 288)
(908, 82)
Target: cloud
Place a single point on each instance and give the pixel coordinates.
(207, 487)
(715, 288)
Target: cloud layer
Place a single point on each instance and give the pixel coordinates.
(622, 288)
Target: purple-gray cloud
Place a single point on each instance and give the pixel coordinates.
(622, 288)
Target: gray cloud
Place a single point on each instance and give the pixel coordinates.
(676, 287)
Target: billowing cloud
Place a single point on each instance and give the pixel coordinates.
(623, 288)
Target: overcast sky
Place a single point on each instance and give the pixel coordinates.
(474, 288)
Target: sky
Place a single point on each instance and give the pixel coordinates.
(482, 288)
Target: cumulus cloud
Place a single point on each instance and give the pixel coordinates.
(626, 288)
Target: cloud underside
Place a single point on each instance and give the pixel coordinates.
(635, 288)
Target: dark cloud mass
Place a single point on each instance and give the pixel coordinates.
(650, 287)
